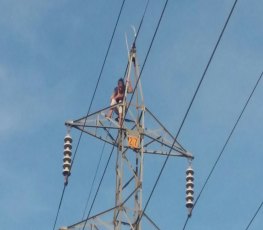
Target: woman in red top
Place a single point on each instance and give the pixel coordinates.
(117, 97)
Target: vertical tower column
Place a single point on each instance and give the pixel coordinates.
(119, 183)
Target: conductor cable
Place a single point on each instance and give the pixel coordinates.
(92, 99)
(188, 110)
(224, 147)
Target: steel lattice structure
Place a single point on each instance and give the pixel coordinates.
(140, 133)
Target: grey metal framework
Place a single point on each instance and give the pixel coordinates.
(140, 133)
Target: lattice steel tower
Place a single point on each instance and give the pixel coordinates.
(136, 133)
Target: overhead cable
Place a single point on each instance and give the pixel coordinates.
(254, 216)
(226, 143)
(148, 52)
(190, 105)
(91, 102)
(98, 188)
(93, 181)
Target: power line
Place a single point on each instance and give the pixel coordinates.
(142, 19)
(93, 181)
(187, 112)
(227, 141)
(97, 84)
(97, 191)
(135, 39)
(59, 206)
(254, 216)
(91, 102)
(207, 66)
(148, 52)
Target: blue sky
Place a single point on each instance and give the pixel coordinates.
(50, 59)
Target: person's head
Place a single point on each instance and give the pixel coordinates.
(120, 82)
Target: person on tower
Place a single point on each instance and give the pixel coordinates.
(117, 97)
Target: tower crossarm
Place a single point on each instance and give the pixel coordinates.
(166, 146)
(156, 141)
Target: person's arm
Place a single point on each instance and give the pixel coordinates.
(129, 85)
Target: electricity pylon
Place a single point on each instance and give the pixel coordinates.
(138, 133)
